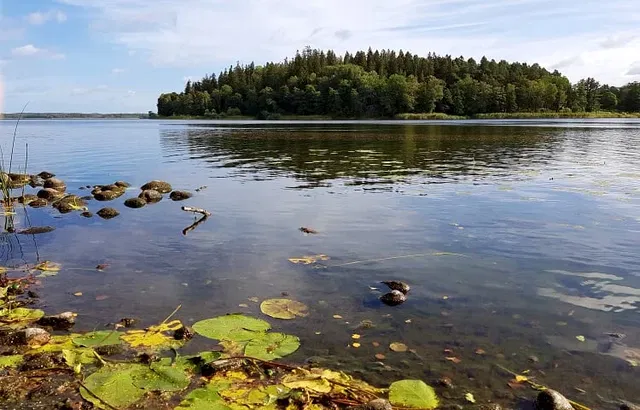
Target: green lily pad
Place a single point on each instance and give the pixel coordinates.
(99, 338)
(272, 346)
(413, 394)
(206, 398)
(158, 377)
(234, 327)
(283, 308)
(14, 360)
(113, 384)
(20, 315)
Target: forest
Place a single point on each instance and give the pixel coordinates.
(384, 84)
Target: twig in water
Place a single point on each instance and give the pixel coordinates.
(193, 226)
(415, 255)
(196, 210)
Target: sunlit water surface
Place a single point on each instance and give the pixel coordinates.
(515, 236)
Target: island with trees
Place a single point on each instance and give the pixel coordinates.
(389, 84)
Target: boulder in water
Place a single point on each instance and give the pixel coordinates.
(108, 213)
(393, 298)
(108, 194)
(70, 203)
(38, 203)
(135, 203)
(157, 185)
(49, 194)
(122, 184)
(56, 184)
(151, 196)
(552, 400)
(46, 175)
(397, 285)
(63, 321)
(180, 195)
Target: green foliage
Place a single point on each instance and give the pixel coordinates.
(160, 377)
(99, 338)
(385, 83)
(283, 308)
(11, 361)
(114, 385)
(413, 394)
(272, 346)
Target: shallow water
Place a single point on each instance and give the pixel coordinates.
(516, 237)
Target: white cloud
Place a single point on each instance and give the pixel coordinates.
(117, 70)
(30, 50)
(41, 17)
(213, 33)
(634, 69)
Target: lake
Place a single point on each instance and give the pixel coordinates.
(519, 239)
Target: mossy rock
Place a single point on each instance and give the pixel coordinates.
(56, 184)
(49, 194)
(46, 175)
(38, 203)
(27, 198)
(122, 184)
(150, 196)
(70, 203)
(107, 213)
(18, 180)
(180, 195)
(157, 185)
(135, 203)
(35, 181)
(108, 195)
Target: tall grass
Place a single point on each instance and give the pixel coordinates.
(5, 181)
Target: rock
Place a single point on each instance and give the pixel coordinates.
(377, 404)
(38, 203)
(32, 336)
(108, 194)
(122, 184)
(533, 359)
(135, 203)
(70, 203)
(397, 285)
(127, 321)
(183, 333)
(27, 198)
(46, 175)
(180, 195)
(552, 400)
(445, 382)
(63, 321)
(35, 230)
(49, 194)
(87, 214)
(160, 186)
(56, 184)
(150, 196)
(42, 361)
(35, 180)
(108, 213)
(393, 298)
(18, 180)
(626, 405)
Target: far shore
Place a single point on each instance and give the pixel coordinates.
(404, 116)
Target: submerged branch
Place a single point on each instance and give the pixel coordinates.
(193, 226)
(196, 210)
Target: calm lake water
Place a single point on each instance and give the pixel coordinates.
(515, 236)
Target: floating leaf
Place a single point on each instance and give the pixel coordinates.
(413, 394)
(102, 297)
(283, 308)
(48, 266)
(304, 379)
(398, 347)
(206, 398)
(480, 351)
(272, 346)
(47, 274)
(580, 338)
(236, 327)
(337, 317)
(20, 315)
(469, 397)
(453, 359)
(102, 266)
(309, 259)
(380, 356)
(159, 377)
(77, 294)
(76, 358)
(154, 336)
(232, 348)
(355, 336)
(11, 361)
(113, 384)
(243, 305)
(254, 299)
(356, 345)
(520, 378)
(99, 338)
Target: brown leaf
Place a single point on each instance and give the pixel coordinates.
(380, 356)
(515, 385)
(398, 347)
(375, 344)
(480, 351)
(102, 297)
(448, 351)
(308, 230)
(453, 359)
(102, 266)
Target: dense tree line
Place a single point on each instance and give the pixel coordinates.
(385, 83)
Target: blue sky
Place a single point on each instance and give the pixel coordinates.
(118, 55)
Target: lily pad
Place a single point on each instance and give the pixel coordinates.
(413, 394)
(272, 346)
(160, 378)
(154, 336)
(236, 327)
(19, 315)
(14, 360)
(206, 398)
(283, 308)
(113, 384)
(99, 338)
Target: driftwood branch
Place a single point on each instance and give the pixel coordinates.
(196, 210)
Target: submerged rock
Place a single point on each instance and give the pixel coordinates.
(63, 321)
(27, 198)
(397, 285)
(183, 333)
(552, 400)
(17, 180)
(122, 184)
(49, 194)
(70, 203)
(180, 195)
(38, 203)
(35, 230)
(87, 214)
(108, 194)
(150, 196)
(108, 213)
(157, 185)
(35, 180)
(393, 298)
(46, 175)
(32, 336)
(135, 203)
(56, 184)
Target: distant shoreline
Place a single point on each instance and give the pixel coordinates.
(407, 116)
